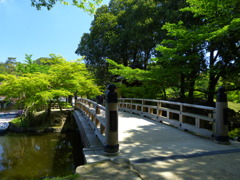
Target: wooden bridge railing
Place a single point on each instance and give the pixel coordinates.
(95, 114)
(194, 118)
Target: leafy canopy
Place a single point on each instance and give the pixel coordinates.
(88, 6)
(32, 88)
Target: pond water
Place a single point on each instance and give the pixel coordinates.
(35, 156)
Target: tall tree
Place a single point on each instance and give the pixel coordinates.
(216, 33)
(221, 28)
(126, 32)
(182, 55)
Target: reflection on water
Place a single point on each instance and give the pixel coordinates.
(37, 156)
(8, 110)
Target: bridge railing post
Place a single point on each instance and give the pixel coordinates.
(97, 110)
(111, 133)
(221, 132)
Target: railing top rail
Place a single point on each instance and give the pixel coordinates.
(88, 100)
(199, 106)
(139, 99)
(94, 103)
(101, 107)
(172, 102)
(160, 101)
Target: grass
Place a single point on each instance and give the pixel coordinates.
(234, 106)
(19, 122)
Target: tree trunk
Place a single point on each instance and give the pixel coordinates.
(164, 93)
(191, 89)
(182, 86)
(59, 105)
(70, 100)
(49, 111)
(212, 80)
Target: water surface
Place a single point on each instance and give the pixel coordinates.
(31, 156)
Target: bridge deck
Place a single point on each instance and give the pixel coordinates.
(162, 151)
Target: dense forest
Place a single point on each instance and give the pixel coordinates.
(165, 49)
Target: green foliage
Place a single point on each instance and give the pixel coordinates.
(126, 32)
(30, 66)
(215, 29)
(32, 89)
(128, 73)
(8, 67)
(235, 106)
(234, 133)
(88, 6)
(184, 48)
(19, 122)
(152, 83)
(234, 96)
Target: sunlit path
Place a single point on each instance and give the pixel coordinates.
(160, 151)
(149, 139)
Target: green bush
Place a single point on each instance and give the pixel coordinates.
(234, 96)
(234, 133)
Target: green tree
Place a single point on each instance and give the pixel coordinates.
(30, 66)
(126, 32)
(36, 89)
(25, 89)
(221, 34)
(9, 66)
(182, 55)
(83, 4)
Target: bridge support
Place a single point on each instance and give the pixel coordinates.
(221, 134)
(111, 131)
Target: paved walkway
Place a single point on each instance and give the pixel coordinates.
(159, 151)
(7, 117)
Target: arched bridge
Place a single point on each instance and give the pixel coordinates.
(149, 135)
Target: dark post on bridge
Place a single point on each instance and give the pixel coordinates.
(221, 134)
(111, 131)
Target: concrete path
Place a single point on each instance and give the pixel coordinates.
(159, 151)
(7, 118)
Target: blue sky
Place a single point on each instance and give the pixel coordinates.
(25, 30)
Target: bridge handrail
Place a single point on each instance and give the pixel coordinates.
(170, 102)
(95, 114)
(196, 118)
(91, 102)
(180, 115)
